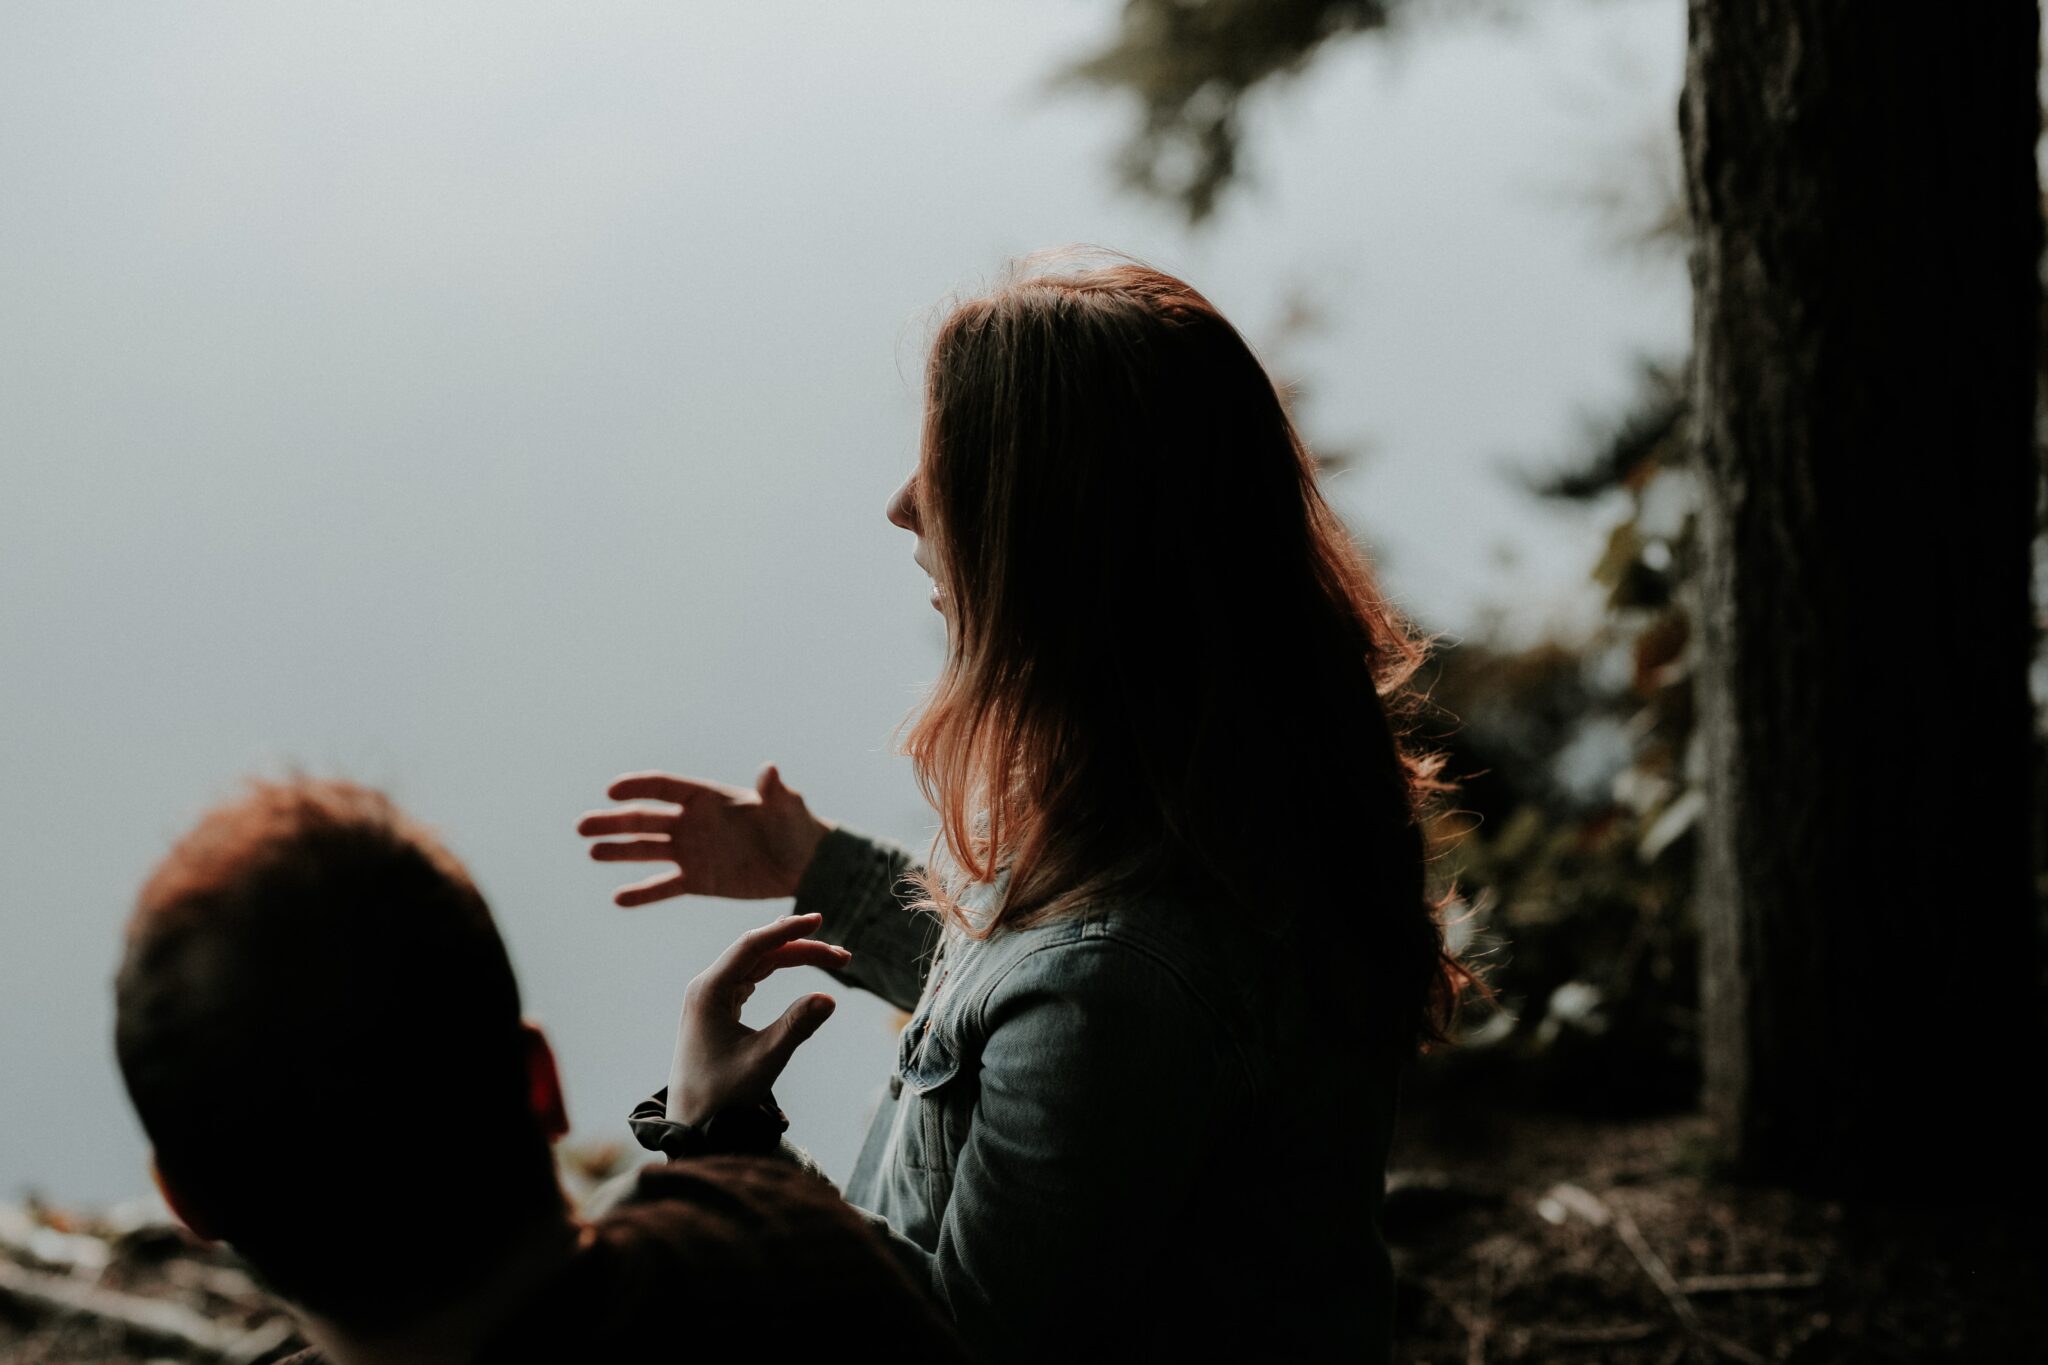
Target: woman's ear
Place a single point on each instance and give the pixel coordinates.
(544, 1083)
(187, 1210)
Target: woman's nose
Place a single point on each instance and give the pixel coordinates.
(902, 509)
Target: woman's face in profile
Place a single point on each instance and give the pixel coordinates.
(902, 511)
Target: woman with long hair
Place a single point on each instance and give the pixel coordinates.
(1174, 945)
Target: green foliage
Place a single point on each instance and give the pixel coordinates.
(1190, 63)
(1579, 793)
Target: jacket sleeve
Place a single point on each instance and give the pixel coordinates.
(1102, 1080)
(653, 1129)
(858, 885)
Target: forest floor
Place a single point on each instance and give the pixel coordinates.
(1526, 1237)
(1516, 1237)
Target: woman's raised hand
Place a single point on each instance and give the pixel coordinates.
(724, 841)
(719, 1061)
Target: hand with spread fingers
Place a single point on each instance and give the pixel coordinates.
(724, 841)
(720, 1062)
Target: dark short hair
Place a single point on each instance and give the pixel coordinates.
(312, 1000)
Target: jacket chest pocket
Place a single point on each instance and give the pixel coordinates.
(928, 1063)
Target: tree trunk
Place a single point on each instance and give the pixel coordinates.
(1867, 238)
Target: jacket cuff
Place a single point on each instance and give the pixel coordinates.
(744, 1130)
(850, 878)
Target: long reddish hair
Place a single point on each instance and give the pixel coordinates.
(1168, 666)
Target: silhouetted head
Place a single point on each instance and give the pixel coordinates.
(321, 1033)
(1166, 660)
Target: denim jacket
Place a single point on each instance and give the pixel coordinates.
(1115, 1133)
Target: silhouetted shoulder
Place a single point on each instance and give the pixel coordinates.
(721, 1258)
(726, 1254)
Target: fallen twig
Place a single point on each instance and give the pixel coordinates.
(1667, 1284)
(1601, 1336)
(23, 1237)
(222, 1282)
(1564, 1200)
(1476, 1326)
(1757, 1282)
(1653, 1266)
(158, 1323)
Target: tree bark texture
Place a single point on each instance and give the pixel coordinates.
(1867, 240)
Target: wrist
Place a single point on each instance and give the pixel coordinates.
(686, 1098)
(736, 1129)
(804, 848)
(688, 1109)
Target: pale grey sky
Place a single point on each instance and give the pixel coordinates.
(484, 399)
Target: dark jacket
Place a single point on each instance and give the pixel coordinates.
(720, 1258)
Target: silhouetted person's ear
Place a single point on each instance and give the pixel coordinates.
(189, 1211)
(544, 1084)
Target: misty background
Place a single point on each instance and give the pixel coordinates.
(483, 400)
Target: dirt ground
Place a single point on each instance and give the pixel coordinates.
(1516, 1237)
(1532, 1238)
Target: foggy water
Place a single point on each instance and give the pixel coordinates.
(482, 400)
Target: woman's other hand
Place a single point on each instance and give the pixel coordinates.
(724, 841)
(719, 1061)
